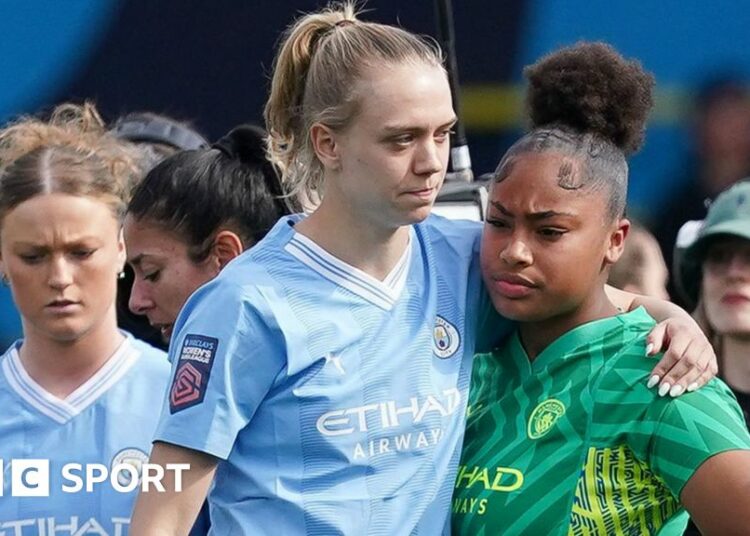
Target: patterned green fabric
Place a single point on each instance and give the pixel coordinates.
(574, 443)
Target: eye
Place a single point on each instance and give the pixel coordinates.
(82, 254)
(403, 139)
(499, 224)
(552, 233)
(443, 135)
(152, 276)
(31, 258)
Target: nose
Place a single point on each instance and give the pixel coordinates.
(739, 266)
(60, 273)
(139, 301)
(516, 253)
(429, 158)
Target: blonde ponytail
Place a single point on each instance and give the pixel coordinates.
(321, 57)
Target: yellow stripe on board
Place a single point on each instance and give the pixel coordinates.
(493, 107)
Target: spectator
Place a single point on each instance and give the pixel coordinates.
(641, 268)
(721, 156)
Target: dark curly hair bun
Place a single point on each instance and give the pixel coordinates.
(590, 87)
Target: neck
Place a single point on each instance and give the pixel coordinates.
(538, 335)
(355, 240)
(60, 367)
(735, 362)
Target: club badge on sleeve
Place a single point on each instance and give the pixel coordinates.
(196, 358)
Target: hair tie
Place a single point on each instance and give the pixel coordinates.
(226, 146)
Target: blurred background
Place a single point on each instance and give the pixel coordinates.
(208, 63)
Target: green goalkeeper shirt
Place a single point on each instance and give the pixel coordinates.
(575, 443)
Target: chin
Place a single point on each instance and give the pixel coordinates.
(67, 331)
(418, 215)
(516, 310)
(736, 328)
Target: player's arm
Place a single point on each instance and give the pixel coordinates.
(173, 511)
(717, 496)
(689, 360)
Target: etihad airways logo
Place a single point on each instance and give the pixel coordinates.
(388, 414)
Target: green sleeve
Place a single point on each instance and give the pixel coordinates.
(691, 429)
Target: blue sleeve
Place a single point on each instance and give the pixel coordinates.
(226, 354)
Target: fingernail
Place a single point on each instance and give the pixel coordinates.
(653, 380)
(649, 348)
(676, 391)
(692, 387)
(664, 389)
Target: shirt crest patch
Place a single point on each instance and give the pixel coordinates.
(544, 417)
(445, 338)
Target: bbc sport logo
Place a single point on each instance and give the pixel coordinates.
(31, 477)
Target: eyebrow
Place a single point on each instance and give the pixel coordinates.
(405, 128)
(70, 243)
(138, 259)
(541, 215)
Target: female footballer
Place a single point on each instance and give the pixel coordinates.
(563, 435)
(75, 392)
(320, 380)
(192, 214)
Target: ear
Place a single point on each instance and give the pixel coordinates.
(122, 254)
(616, 243)
(227, 246)
(324, 144)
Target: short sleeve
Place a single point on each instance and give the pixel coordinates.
(225, 356)
(693, 428)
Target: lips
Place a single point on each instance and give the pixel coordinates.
(513, 286)
(164, 329)
(735, 298)
(62, 306)
(424, 193)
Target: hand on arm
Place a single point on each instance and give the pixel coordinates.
(689, 361)
(172, 512)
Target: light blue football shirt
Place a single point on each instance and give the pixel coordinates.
(336, 400)
(108, 420)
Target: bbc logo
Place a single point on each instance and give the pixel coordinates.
(28, 478)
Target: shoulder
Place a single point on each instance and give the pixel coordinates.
(453, 232)
(624, 349)
(150, 358)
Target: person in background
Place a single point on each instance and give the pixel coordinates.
(192, 214)
(74, 389)
(157, 137)
(720, 157)
(641, 268)
(715, 276)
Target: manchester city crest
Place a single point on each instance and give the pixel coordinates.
(445, 338)
(544, 417)
(132, 457)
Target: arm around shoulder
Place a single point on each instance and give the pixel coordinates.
(173, 511)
